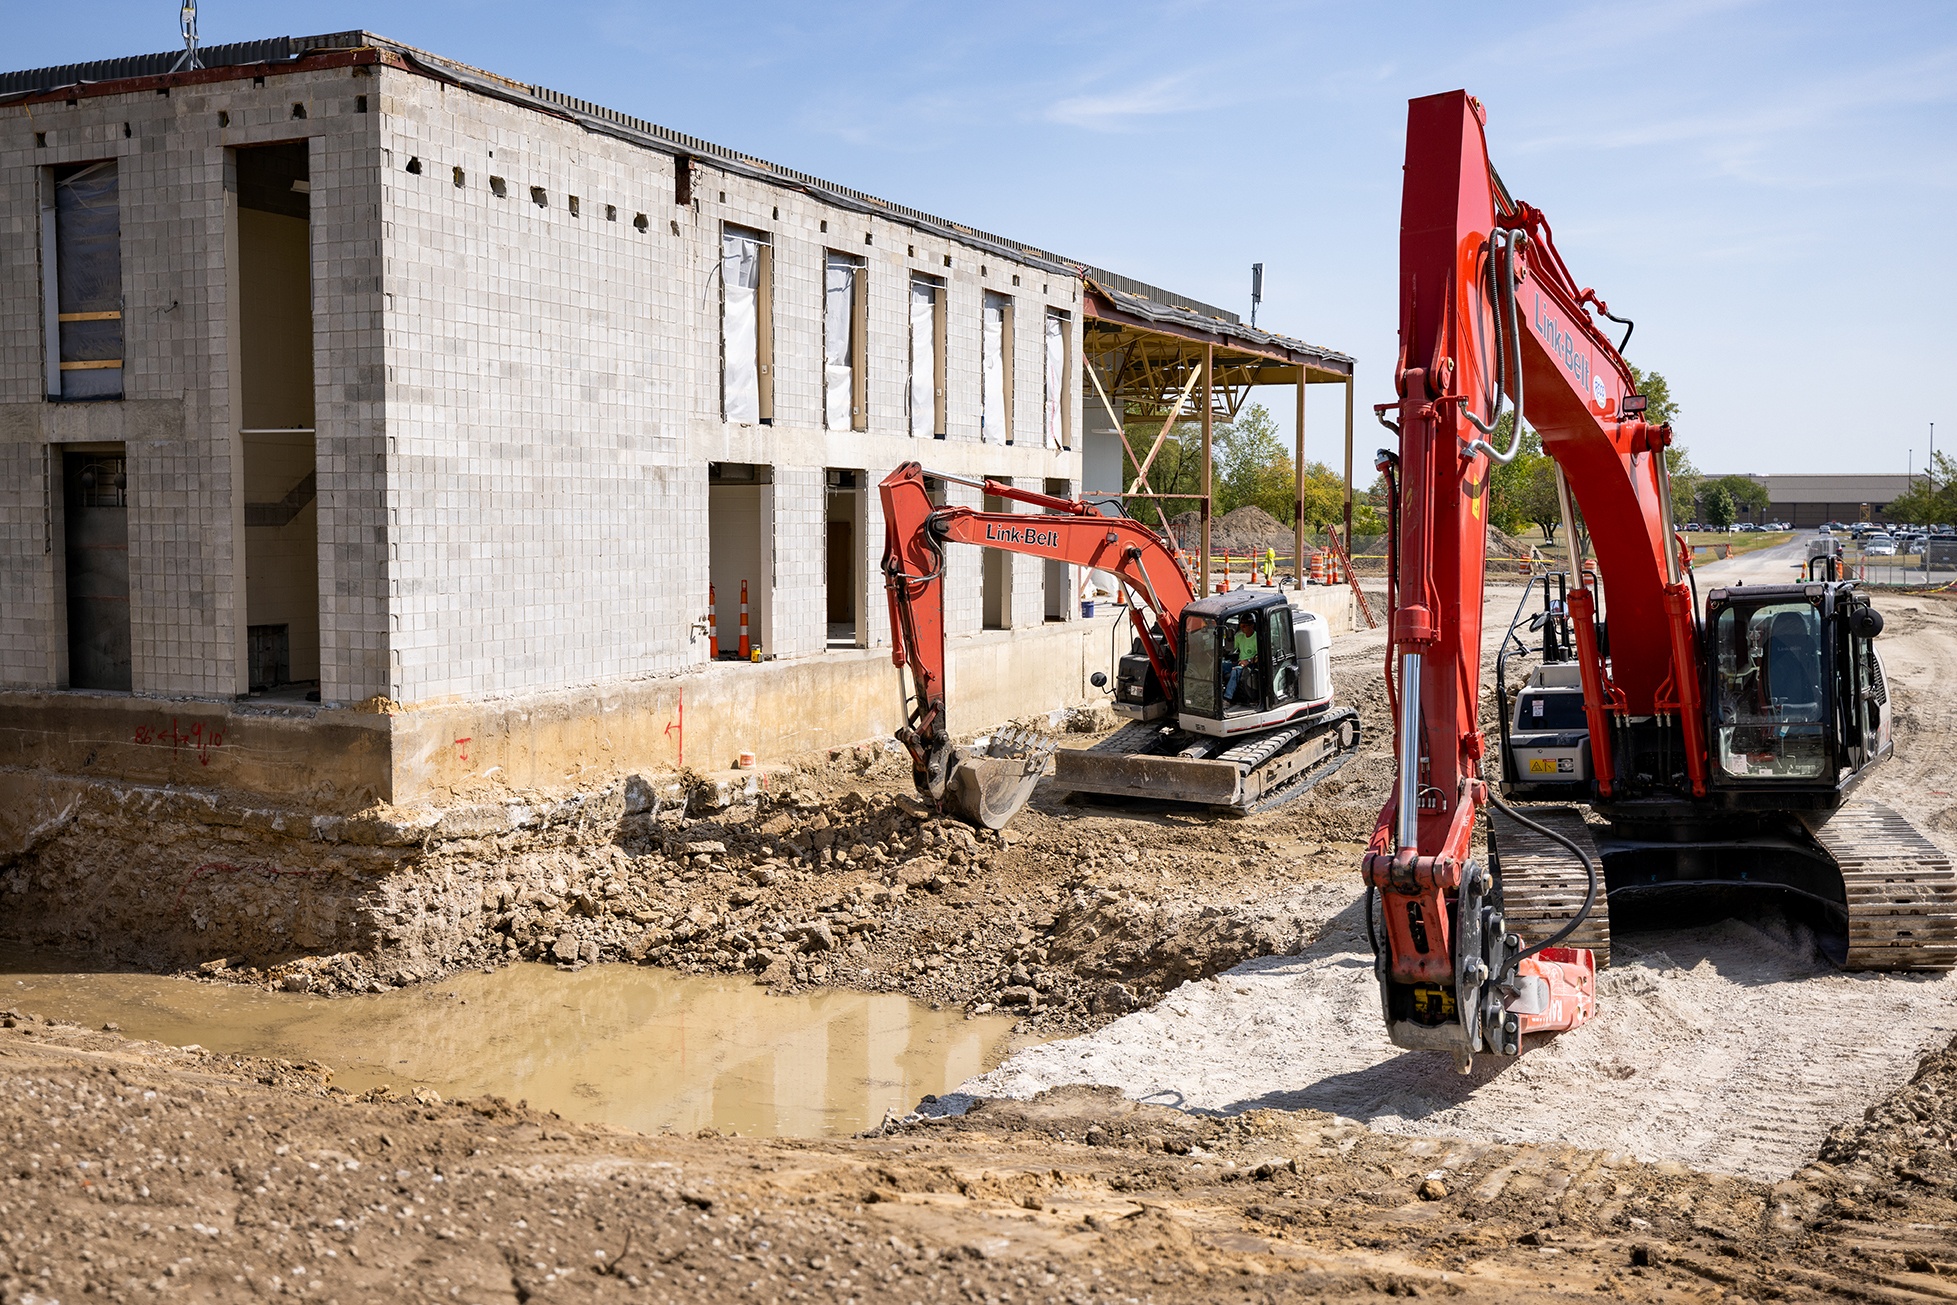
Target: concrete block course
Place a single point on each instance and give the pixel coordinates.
(517, 397)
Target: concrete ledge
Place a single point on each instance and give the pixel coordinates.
(328, 760)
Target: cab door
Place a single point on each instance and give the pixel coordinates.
(1281, 657)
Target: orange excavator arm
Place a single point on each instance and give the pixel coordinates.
(1065, 530)
(1489, 315)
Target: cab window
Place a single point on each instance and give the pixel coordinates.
(1283, 654)
(1770, 691)
(1201, 671)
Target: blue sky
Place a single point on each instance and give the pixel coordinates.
(1769, 189)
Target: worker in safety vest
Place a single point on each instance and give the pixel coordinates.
(1270, 565)
(1245, 646)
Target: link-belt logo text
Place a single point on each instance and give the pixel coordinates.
(1563, 345)
(1026, 535)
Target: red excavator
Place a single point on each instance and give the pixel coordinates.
(1678, 753)
(1229, 698)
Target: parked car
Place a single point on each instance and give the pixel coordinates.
(1878, 544)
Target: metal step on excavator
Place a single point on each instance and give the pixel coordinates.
(1229, 698)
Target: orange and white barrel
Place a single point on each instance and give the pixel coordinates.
(746, 650)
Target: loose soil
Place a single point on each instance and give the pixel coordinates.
(137, 1172)
(1077, 917)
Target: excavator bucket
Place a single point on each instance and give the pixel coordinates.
(989, 784)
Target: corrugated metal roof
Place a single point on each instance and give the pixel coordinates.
(1229, 328)
(1137, 295)
(275, 49)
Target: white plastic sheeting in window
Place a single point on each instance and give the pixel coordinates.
(838, 340)
(1056, 379)
(923, 396)
(740, 281)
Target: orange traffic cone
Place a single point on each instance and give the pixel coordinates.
(746, 652)
(713, 627)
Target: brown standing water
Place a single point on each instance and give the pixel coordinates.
(616, 1044)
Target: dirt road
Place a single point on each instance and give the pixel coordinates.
(141, 1173)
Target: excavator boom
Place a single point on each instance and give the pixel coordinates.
(1470, 957)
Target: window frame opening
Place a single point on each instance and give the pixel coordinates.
(747, 326)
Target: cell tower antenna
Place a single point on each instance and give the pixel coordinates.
(187, 20)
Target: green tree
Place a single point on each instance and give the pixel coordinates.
(1745, 493)
(1931, 499)
(1252, 466)
(1717, 506)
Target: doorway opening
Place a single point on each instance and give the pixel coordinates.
(843, 558)
(740, 551)
(95, 530)
(1057, 578)
(995, 574)
(275, 364)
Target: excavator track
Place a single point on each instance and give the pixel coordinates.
(1237, 777)
(1542, 884)
(1902, 890)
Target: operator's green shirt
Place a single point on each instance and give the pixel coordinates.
(1246, 647)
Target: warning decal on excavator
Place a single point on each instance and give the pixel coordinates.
(1552, 765)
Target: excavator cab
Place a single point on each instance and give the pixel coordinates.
(1250, 661)
(1797, 696)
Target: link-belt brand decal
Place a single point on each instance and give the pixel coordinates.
(1026, 535)
(1563, 345)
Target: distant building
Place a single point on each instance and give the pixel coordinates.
(1809, 500)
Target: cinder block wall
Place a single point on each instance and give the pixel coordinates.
(515, 405)
(178, 416)
(554, 398)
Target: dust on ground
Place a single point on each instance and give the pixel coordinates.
(140, 1173)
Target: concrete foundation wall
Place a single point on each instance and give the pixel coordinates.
(340, 760)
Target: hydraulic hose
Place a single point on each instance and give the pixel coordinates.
(1589, 891)
(1509, 339)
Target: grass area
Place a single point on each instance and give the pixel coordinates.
(1705, 543)
(1749, 542)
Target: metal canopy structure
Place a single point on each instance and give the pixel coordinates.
(1149, 360)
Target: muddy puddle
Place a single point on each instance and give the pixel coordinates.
(617, 1044)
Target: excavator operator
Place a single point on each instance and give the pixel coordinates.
(1245, 648)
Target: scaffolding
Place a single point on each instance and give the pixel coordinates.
(1149, 361)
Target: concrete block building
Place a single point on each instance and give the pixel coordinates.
(372, 426)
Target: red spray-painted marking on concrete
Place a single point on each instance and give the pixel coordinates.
(678, 726)
(461, 748)
(226, 868)
(199, 738)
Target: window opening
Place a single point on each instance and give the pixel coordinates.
(924, 397)
(81, 261)
(746, 327)
(995, 364)
(843, 321)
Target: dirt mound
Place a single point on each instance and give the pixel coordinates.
(1248, 529)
